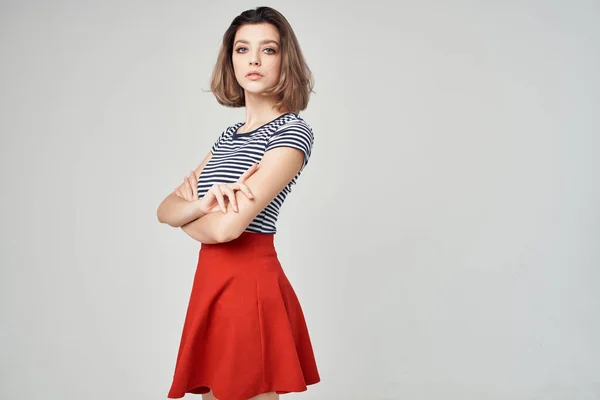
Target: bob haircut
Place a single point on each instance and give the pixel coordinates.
(295, 80)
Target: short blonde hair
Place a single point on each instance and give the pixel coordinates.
(295, 80)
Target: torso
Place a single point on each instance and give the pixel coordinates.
(235, 151)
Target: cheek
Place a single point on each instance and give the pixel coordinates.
(275, 67)
(236, 64)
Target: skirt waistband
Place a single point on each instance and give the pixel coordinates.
(246, 242)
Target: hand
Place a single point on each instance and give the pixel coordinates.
(189, 189)
(214, 199)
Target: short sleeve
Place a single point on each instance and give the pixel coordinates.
(295, 134)
(216, 144)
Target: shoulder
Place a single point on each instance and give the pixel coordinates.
(296, 120)
(292, 125)
(229, 130)
(292, 131)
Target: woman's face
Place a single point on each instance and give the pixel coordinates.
(256, 47)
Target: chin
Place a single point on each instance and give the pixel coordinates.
(255, 90)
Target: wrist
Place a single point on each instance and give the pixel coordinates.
(197, 209)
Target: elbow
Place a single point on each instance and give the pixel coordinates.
(226, 232)
(160, 215)
(163, 219)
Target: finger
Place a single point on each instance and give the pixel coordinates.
(182, 189)
(217, 207)
(196, 186)
(193, 185)
(185, 188)
(245, 189)
(189, 191)
(248, 172)
(231, 195)
(195, 193)
(219, 196)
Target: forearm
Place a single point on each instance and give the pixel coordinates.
(176, 211)
(211, 228)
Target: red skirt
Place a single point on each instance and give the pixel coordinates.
(244, 333)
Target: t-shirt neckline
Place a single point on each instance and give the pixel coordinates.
(235, 131)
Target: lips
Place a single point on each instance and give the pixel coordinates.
(254, 74)
(254, 77)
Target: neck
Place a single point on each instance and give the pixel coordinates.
(259, 110)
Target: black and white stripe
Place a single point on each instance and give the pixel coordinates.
(233, 154)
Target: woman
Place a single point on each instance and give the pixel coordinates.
(245, 335)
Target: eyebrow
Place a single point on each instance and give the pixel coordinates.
(262, 41)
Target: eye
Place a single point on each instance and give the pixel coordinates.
(269, 50)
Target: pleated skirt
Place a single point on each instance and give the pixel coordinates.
(244, 332)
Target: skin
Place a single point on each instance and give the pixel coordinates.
(256, 47)
(227, 210)
(250, 54)
(264, 396)
(277, 167)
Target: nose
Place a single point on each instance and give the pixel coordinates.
(254, 58)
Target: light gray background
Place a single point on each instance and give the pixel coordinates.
(443, 241)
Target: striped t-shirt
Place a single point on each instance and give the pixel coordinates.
(233, 153)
